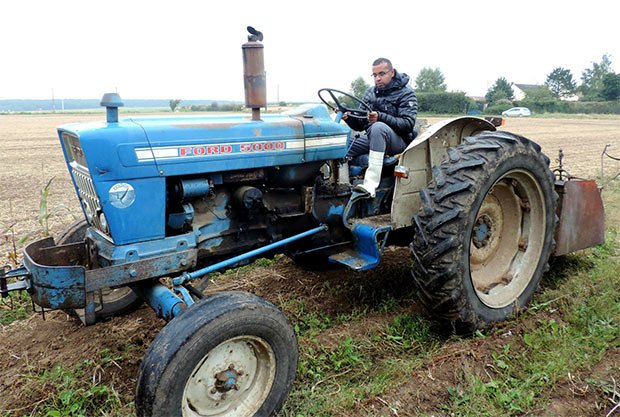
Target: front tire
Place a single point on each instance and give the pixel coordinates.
(484, 234)
(232, 354)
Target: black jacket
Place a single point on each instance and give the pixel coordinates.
(396, 104)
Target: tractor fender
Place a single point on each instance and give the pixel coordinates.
(425, 151)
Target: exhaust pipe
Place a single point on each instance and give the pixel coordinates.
(254, 78)
(111, 102)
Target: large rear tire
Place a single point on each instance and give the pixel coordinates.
(484, 233)
(109, 302)
(232, 354)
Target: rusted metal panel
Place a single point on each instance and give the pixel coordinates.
(582, 217)
(58, 279)
(61, 277)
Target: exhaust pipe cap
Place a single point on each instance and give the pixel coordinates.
(111, 101)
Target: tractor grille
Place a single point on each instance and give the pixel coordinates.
(89, 200)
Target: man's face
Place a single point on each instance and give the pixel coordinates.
(382, 75)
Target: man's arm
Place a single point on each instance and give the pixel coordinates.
(407, 108)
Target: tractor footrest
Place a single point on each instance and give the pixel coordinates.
(369, 238)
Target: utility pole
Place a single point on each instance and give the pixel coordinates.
(53, 102)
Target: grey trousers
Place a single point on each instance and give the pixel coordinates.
(379, 137)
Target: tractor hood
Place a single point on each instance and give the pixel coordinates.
(188, 145)
(182, 145)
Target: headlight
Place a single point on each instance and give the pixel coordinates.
(89, 211)
(104, 223)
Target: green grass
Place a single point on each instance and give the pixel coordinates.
(333, 377)
(72, 393)
(580, 321)
(72, 399)
(16, 306)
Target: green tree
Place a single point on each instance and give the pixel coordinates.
(430, 81)
(611, 86)
(561, 83)
(359, 87)
(174, 104)
(592, 78)
(501, 90)
(539, 94)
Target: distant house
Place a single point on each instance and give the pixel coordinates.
(519, 90)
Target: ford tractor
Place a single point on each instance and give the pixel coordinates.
(179, 197)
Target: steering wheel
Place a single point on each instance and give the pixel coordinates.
(355, 113)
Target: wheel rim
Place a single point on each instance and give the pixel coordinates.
(112, 295)
(233, 379)
(507, 239)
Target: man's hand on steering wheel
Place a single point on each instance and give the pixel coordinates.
(372, 117)
(364, 113)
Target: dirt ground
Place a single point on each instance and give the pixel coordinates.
(30, 156)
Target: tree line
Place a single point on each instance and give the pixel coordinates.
(598, 83)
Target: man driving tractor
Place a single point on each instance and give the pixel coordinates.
(390, 125)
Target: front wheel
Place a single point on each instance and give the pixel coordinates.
(485, 231)
(232, 354)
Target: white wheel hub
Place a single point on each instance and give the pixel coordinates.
(507, 239)
(233, 379)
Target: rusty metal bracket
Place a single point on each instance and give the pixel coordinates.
(560, 173)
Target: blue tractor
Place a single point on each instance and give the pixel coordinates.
(180, 197)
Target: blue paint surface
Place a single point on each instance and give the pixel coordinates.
(143, 151)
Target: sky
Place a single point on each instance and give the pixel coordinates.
(192, 49)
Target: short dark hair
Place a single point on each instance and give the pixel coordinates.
(381, 61)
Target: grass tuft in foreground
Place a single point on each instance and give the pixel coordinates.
(569, 329)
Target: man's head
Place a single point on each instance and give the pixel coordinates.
(382, 72)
